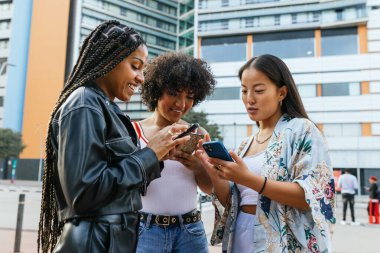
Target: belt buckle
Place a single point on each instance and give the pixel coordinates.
(165, 219)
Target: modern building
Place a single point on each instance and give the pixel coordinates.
(14, 33)
(40, 41)
(166, 25)
(33, 57)
(332, 47)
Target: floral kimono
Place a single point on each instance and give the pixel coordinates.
(296, 153)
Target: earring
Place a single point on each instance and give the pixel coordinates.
(280, 103)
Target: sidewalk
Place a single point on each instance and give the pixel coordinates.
(346, 239)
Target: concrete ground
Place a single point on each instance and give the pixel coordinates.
(346, 238)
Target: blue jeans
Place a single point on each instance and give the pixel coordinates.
(185, 238)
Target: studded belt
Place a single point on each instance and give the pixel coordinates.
(166, 221)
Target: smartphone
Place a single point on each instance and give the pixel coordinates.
(188, 131)
(216, 149)
(190, 146)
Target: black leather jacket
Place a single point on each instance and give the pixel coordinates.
(101, 168)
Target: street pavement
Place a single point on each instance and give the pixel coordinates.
(346, 238)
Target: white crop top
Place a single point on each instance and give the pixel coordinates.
(174, 193)
(254, 164)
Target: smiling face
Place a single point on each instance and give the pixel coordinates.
(122, 81)
(261, 96)
(173, 106)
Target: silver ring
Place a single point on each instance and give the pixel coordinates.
(170, 132)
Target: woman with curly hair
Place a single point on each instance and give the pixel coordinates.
(94, 167)
(170, 222)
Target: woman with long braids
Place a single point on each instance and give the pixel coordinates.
(94, 168)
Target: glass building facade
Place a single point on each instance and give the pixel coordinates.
(332, 49)
(165, 25)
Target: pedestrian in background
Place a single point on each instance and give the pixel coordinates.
(94, 167)
(170, 221)
(373, 198)
(348, 185)
(282, 197)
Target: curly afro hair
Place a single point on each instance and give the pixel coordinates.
(176, 72)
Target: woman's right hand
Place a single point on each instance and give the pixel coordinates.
(163, 143)
(220, 185)
(204, 159)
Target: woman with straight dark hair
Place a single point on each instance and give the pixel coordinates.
(95, 169)
(282, 197)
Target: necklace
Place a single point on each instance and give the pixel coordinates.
(261, 142)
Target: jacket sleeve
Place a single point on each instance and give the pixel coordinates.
(89, 178)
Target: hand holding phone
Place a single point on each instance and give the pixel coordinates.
(216, 149)
(190, 146)
(188, 131)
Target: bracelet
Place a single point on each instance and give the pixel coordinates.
(262, 188)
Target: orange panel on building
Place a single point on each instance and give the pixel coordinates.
(46, 70)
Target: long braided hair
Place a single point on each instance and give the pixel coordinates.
(102, 50)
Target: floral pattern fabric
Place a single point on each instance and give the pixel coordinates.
(297, 153)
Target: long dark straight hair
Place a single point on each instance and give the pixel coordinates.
(106, 46)
(277, 71)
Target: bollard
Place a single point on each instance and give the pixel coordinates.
(20, 215)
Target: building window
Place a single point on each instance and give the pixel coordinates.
(213, 25)
(123, 11)
(5, 6)
(259, 1)
(224, 24)
(341, 89)
(278, 44)
(90, 21)
(5, 24)
(375, 128)
(251, 22)
(3, 66)
(307, 90)
(165, 43)
(361, 11)
(4, 44)
(339, 41)
(316, 16)
(339, 14)
(294, 18)
(214, 49)
(374, 87)
(225, 3)
(1, 101)
(341, 130)
(277, 20)
(226, 93)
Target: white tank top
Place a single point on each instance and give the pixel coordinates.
(254, 164)
(175, 192)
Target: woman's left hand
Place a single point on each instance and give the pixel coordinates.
(233, 171)
(190, 161)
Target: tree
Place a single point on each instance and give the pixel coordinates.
(10, 143)
(201, 119)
